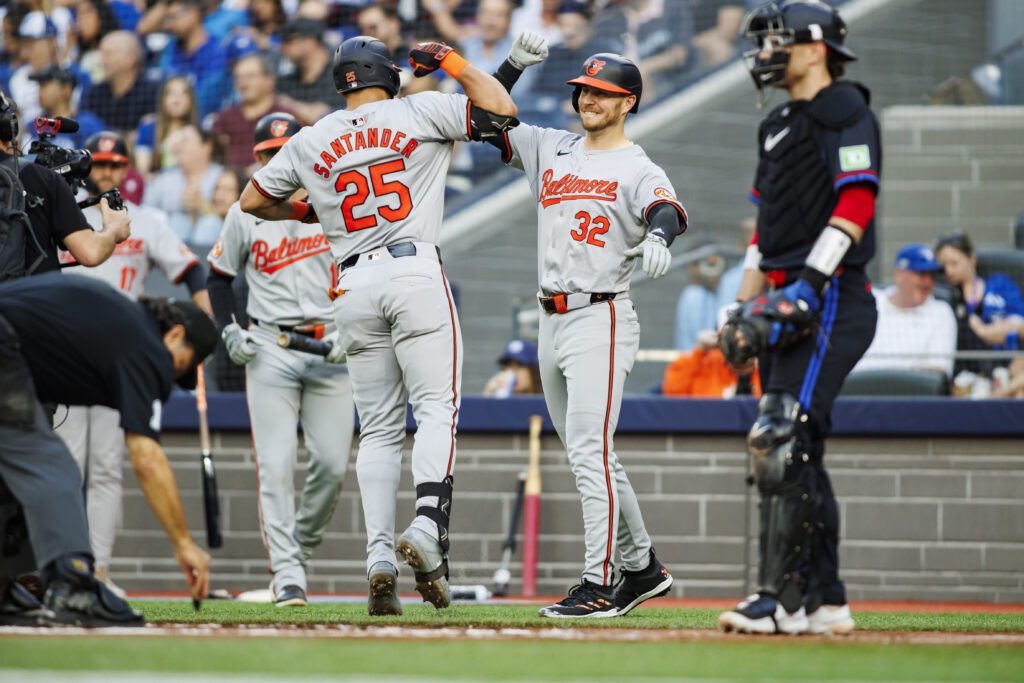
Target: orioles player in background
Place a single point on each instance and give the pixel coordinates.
(807, 313)
(93, 433)
(601, 203)
(289, 271)
(375, 173)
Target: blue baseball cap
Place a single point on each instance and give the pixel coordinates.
(37, 25)
(918, 258)
(520, 351)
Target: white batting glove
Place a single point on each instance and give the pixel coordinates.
(240, 344)
(656, 256)
(530, 48)
(337, 353)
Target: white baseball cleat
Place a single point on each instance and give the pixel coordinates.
(831, 620)
(424, 554)
(763, 614)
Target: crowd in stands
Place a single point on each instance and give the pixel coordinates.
(940, 302)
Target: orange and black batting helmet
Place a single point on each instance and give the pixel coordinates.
(273, 130)
(609, 72)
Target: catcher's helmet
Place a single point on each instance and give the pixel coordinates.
(107, 147)
(273, 130)
(609, 72)
(364, 62)
(788, 23)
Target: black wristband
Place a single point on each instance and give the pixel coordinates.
(507, 75)
(815, 278)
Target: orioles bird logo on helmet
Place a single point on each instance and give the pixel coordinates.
(278, 128)
(106, 144)
(595, 67)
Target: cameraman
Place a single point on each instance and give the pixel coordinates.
(52, 212)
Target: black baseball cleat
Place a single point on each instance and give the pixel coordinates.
(290, 596)
(18, 607)
(637, 587)
(761, 613)
(585, 601)
(76, 598)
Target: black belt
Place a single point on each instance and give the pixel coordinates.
(558, 303)
(314, 330)
(396, 250)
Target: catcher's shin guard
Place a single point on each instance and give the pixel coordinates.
(441, 516)
(780, 470)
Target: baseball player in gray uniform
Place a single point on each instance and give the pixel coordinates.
(601, 203)
(93, 434)
(290, 273)
(375, 174)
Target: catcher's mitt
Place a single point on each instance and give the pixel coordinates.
(767, 322)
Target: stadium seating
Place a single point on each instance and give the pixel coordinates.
(896, 383)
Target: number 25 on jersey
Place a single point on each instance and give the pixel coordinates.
(382, 188)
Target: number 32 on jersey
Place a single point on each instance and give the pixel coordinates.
(590, 228)
(374, 180)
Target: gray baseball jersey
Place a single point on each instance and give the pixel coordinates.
(152, 242)
(289, 271)
(591, 207)
(287, 266)
(376, 176)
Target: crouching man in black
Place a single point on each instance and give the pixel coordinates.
(76, 341)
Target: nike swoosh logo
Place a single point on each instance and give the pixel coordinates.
(772, 140)
(561, 154)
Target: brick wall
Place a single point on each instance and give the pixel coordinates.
(935, 519)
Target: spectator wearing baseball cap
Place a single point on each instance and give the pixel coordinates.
(37, 36)
(56, 92)
(309, 87)
(915, 330)
(520, 371)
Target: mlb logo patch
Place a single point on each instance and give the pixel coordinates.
(854, 158)
(374, 255)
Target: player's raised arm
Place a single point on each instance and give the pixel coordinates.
(484, 90)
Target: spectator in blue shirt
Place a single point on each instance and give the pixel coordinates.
(196, 54)
(126, 95)
(697, 308)
(989, 311)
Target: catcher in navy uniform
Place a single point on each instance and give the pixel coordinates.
(805, 310)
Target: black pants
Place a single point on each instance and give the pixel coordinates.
(813, 371)
(37, 470)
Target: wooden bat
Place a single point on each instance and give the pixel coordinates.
(502, 575)
(211, 503)
(531, 510)
(298, 342)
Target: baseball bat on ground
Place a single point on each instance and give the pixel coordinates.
(502, 575)
(299, 342)
(211, 503)
(531, 510)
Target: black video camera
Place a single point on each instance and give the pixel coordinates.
(73, 165)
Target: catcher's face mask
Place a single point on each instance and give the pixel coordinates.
(765, 28)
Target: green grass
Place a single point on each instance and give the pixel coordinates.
(742, 660)
(502, 616)
(736, 659)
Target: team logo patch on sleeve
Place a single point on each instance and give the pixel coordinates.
(662, 193)
(217, 249)
(854, 158)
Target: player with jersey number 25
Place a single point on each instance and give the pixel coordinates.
(375, 173)
(602, 207)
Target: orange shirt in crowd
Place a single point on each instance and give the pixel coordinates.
(703, 373)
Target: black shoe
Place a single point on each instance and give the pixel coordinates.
(76, 598)
(18, 607)
(585, 600)
(290, 596)
(637, 587)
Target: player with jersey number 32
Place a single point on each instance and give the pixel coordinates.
(602, 207)
(375, 173)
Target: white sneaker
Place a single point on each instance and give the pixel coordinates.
(831, 620)
(763, 614)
